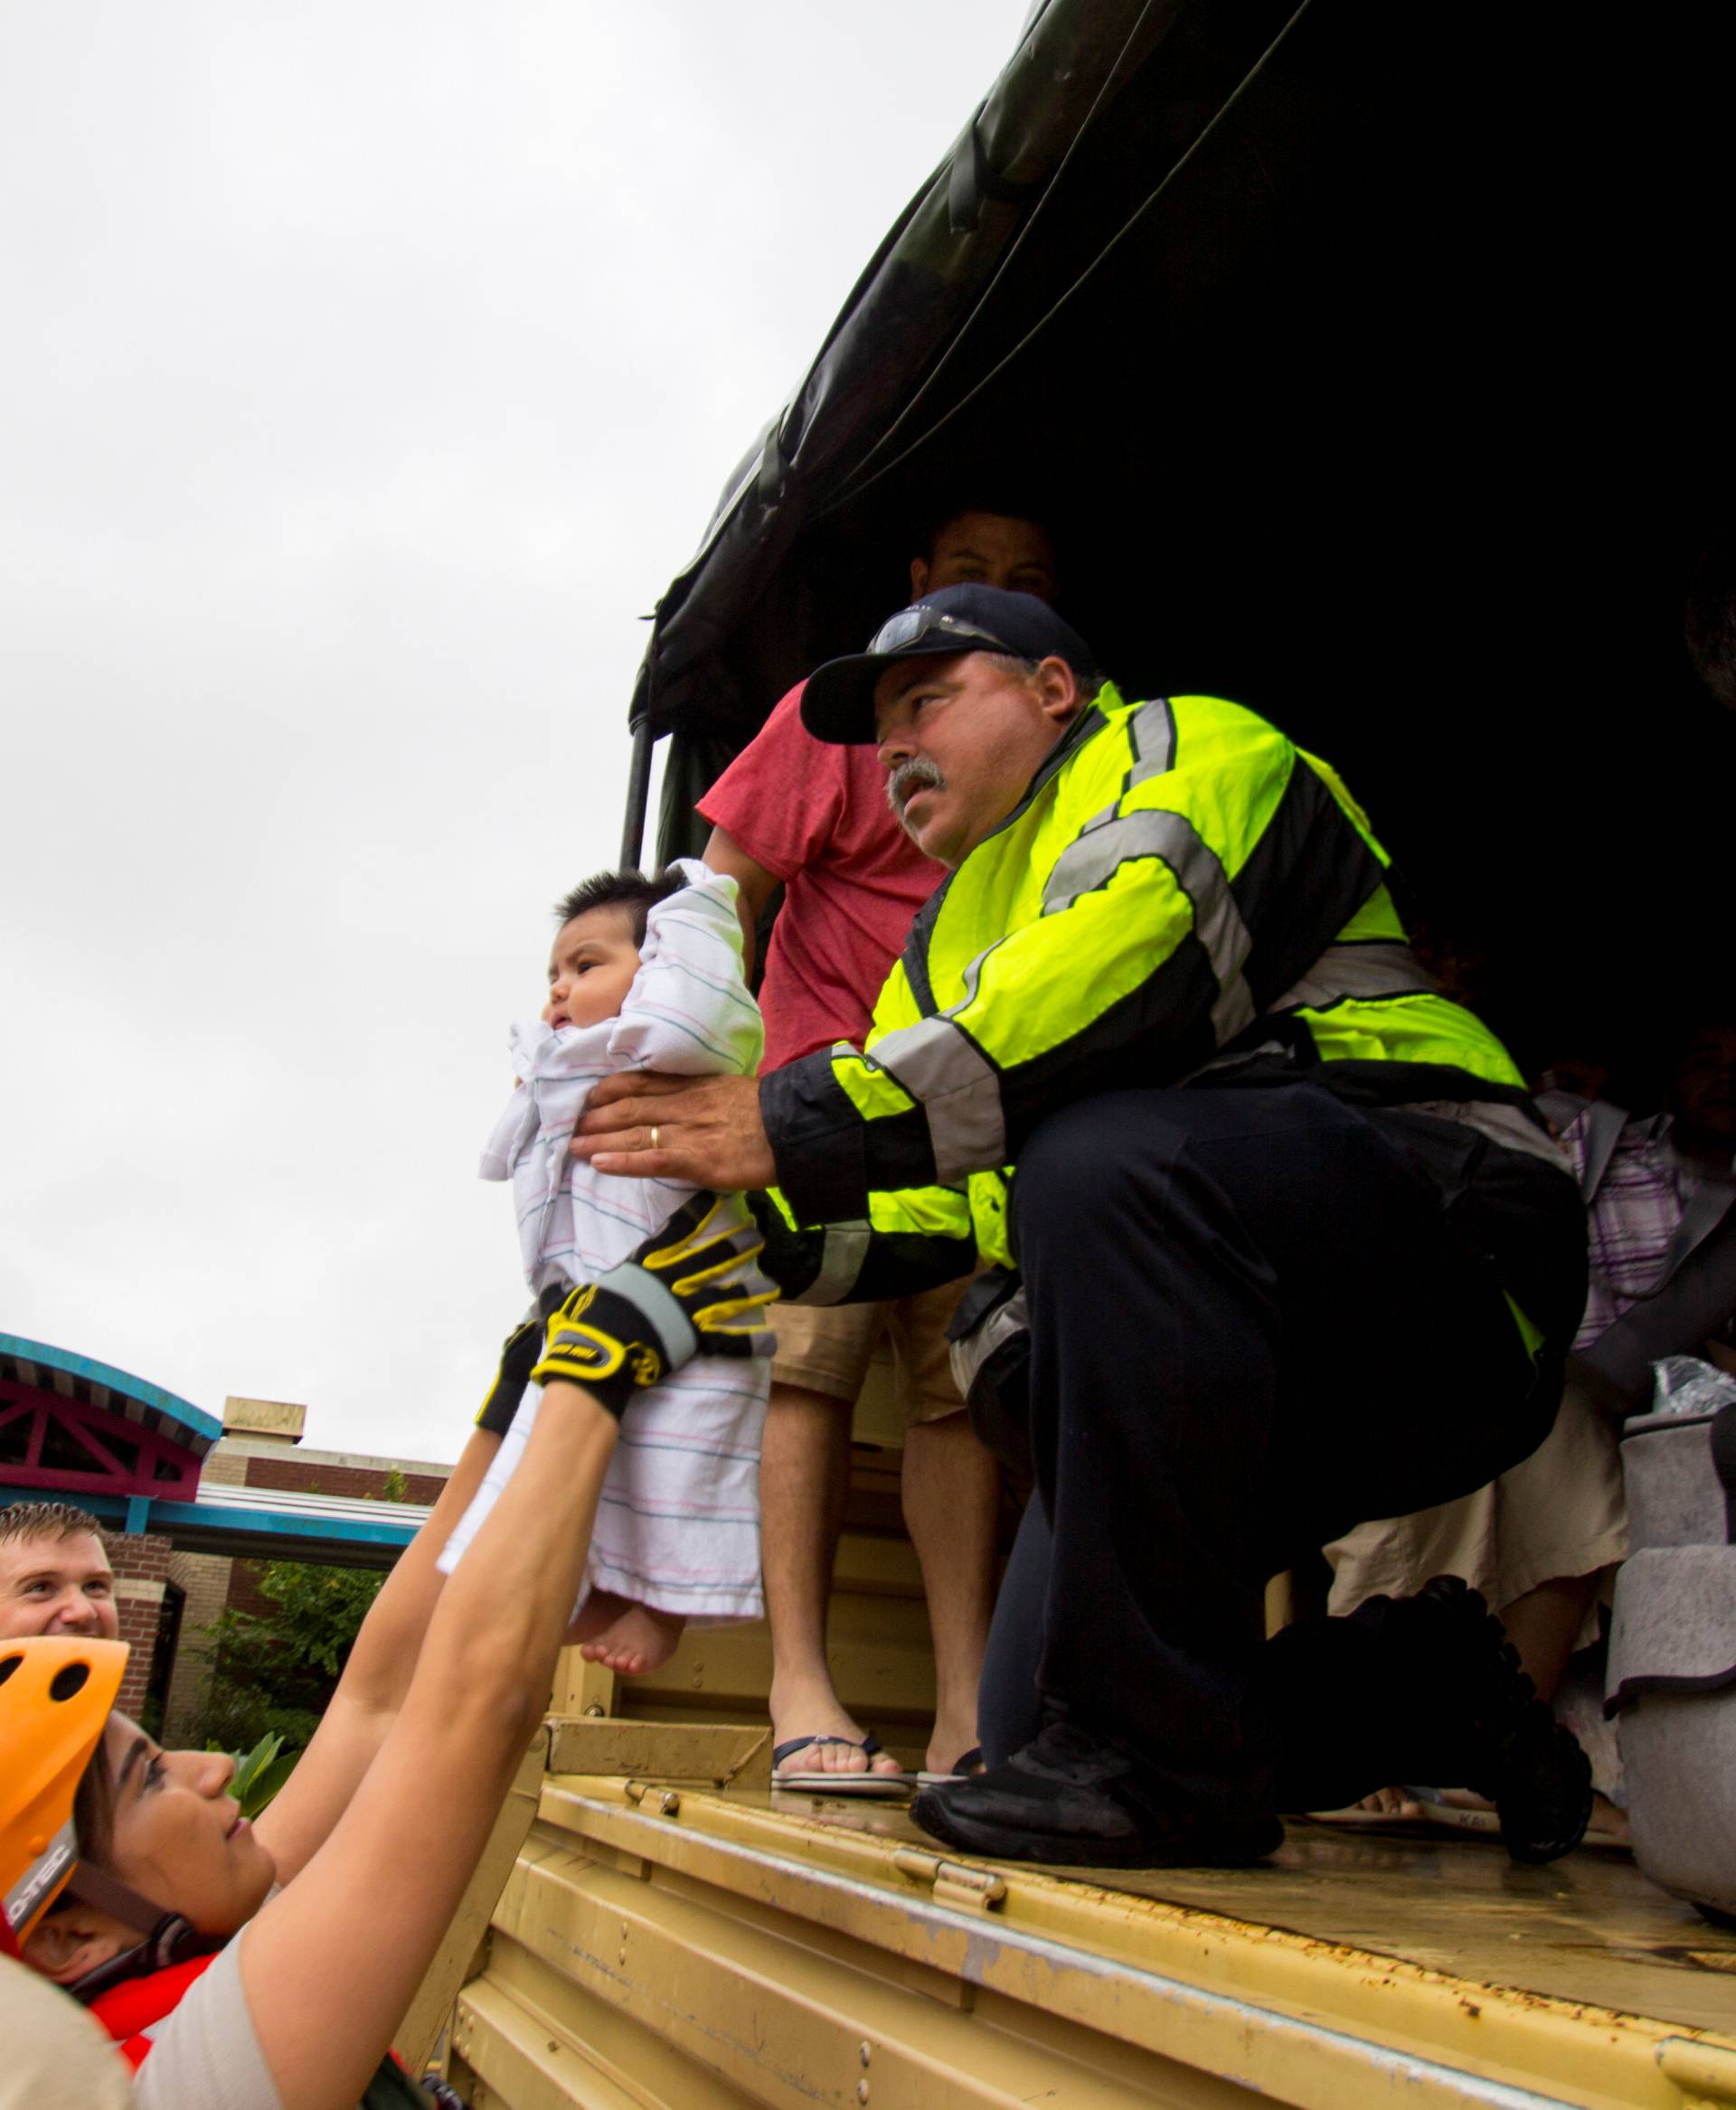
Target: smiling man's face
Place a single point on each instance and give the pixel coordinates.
(1706, 1083)
(57, 1584)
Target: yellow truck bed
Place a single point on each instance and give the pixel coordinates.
(673, 1934)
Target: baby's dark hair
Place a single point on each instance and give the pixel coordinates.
(630, 890)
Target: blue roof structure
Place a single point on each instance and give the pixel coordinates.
(257, 1524)
(100, 1384)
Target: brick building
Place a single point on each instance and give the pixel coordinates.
(186, 1500)
(259, 1452)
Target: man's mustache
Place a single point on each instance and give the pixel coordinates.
(916, 773)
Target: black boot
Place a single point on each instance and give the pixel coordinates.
(1510, 1750)
(1075, 1800)
(1423, 1688)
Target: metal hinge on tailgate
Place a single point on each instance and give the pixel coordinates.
(952, 1883)
(664, 1801)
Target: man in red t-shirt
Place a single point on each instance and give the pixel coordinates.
(813, 816)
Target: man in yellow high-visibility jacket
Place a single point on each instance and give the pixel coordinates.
(1274, 1200)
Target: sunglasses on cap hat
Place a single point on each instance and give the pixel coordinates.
(915, 625)
(838, 699)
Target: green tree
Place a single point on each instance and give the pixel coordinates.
(273, 1672)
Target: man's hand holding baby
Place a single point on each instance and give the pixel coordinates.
(705, 1129)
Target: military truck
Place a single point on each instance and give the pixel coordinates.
(1365, 358)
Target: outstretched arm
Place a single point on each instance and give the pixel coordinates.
(375, 1680)
(330, 1966)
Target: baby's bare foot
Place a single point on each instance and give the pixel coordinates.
(631, 1639)
(596, 1615)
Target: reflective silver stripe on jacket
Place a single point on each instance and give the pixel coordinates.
(937, 1062)
(1359, 972)
(1151, 730)
(973, 1351)
(844, 1248)
(1107, 844)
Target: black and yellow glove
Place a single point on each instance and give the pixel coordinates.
(692, 1288)
(518, 1354)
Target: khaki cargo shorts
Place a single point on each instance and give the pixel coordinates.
(827, 1348)
(1559, 1512)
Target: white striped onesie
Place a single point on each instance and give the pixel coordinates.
(678, 1524)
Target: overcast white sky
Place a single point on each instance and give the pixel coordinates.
(367, 371)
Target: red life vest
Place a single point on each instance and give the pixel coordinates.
(131, 2010)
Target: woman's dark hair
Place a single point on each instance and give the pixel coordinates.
(93, 1810)
(93, 1819)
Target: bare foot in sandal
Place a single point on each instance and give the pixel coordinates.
(802, 1715)
(1386, 1805)
(1397, 1803)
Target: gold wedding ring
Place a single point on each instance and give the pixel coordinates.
(656, 1140)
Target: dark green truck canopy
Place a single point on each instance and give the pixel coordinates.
(1365, 359)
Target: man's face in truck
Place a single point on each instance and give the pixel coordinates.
(987, 548)
(960, 737)
(1706, 1086)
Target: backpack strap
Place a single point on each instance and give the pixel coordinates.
(1679, 1315)
(1603, 1126)
(1706, 1209)
(1723, 1460)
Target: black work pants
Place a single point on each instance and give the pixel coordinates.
(1250, 1328)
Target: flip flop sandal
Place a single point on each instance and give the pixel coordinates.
(1519, 1757)
(1443, 1819)
(1448, 1817)
(881, 1785)
(970, 1763)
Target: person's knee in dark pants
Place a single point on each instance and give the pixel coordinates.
(1226, 1288)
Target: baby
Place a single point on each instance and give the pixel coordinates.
(643, 975)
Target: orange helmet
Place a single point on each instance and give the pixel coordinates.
(55, 1696)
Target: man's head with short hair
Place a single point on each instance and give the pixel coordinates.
(55, 1573)
(596, 951)
(983, 545)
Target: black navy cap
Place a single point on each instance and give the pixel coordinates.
(838, 703)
